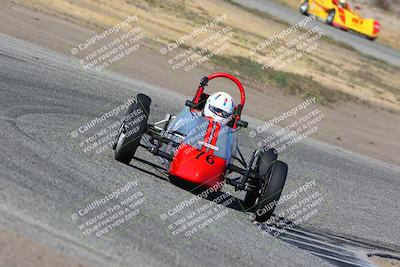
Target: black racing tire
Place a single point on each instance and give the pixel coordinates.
(330, 17)
(304, 8)
(132, 129)
(263, 169)
(271, 192)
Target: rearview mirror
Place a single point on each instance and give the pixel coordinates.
(241, 123)
(190, 104)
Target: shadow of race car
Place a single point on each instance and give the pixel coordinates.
(198, 151)
(341, 16)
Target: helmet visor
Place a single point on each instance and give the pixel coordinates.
(222, 113)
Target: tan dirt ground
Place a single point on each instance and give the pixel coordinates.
(347, 71)
(384, 262)
(19, 251)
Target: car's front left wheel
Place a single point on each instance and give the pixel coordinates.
(271, 192)
(263, 169)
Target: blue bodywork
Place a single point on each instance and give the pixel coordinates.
(192, 126)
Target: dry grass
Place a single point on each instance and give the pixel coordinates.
(330, 78)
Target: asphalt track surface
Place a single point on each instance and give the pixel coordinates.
(359, 43)
(46, 176)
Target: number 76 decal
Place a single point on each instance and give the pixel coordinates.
(209, 158)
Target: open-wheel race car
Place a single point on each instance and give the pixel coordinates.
(339, 14)
(199, 150)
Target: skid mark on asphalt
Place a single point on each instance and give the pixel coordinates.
(338, 250)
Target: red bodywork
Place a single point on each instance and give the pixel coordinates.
(202, 167)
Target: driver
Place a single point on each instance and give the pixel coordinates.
(343, 3)
(219, 106)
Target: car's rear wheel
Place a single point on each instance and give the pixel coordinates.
(132, 129)
(330, 17)
(304, 8)
(263, 169)
(271, 192)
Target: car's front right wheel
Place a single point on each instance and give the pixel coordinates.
(330, 17)
(304, 8)
(132, 129)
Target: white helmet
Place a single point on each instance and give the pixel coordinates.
(220, 106)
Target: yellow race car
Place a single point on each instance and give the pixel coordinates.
(339, 14)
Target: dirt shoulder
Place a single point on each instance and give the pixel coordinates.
(364, 129)
(19, 251)
(299, 63)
